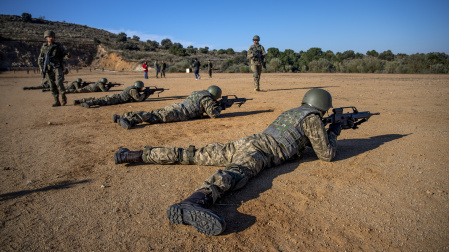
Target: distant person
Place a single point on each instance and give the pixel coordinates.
(145, 70)
(209, 68)
(196, 68)
(256, 53)
(156, 68)
(54, 71)
(163, 67)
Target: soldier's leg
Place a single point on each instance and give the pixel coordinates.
(59, 78)
(53, 88)
(259, 73)
(256, 76)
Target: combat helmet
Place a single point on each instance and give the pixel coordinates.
(318, 98)
(256, 38)
(138, 84)
(215, 91)
(49, 33)
(104, 80)
(79, 80)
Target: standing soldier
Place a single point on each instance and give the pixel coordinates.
(156, 68)
(209, 68)
(256, 53)
(163, 67)
(54, 70)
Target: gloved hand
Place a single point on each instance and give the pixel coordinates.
(335, 128)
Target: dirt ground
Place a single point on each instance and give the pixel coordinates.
(386, 190)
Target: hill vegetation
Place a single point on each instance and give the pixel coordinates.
(21, 39)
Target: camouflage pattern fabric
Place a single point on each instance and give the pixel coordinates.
(176, 112)
(246, 157)
(256, 65)
(97, 87)
(114, 99)
(55, 73)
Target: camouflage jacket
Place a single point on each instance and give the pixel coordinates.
(256, 53)
(200, 102)
(297, 128)
(57, 54)
(132, 94)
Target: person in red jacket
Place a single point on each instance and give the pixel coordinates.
(145, 70)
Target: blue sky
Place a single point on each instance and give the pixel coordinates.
(402, 26)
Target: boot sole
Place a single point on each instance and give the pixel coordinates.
(203, 220)
(124, 124)
(116, 158)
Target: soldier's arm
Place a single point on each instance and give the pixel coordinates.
(263, 51)
(103, 87)
(324, 144)
(136, 96)
(209, 106)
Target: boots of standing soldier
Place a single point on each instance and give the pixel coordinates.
(63, 99)
(126, 156)
(193, 211)
(57, 103)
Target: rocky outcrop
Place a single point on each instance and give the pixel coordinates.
(113, 61)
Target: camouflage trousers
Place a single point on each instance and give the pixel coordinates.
(171, 113)
(104, 101)
(243, 159)
(55, 77)
(257, 69)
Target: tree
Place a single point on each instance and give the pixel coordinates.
(372, 53)
(121, 37)
(26, 17)
(166, 43)
(275, 63)
(136, 38)
(386, 55)
(230, 51)
(272, 52)
(204, 50)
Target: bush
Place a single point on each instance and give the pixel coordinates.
(438, 69)
(321, 66)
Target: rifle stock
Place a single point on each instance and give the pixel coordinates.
(348, 120)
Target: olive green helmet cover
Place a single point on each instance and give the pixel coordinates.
(138, 84)
(215, 91)
(49, 33)
(79, 80)
(318, 98)
(256, 38)
(104, 80)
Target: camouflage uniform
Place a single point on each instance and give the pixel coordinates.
(97, 87)
(130, 94)
(256, 65)
(244, 158)
(156, 68)
(55, 73)
(194, 106)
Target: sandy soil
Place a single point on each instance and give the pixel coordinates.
(386, 190)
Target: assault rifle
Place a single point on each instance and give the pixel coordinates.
(257, 55)
(225, 102)
(149, 91)
(348, 120)
(110, 84)
(46, 62)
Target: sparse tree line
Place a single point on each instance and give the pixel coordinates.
(313, 60)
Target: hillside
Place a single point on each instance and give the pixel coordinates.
(20, 43)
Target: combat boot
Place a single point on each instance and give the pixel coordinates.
(193, 211)
(76, 102)
(115, 118)
(125, 123)
(86, 104)
(126, 156)
(63, 99)
(57, 103)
